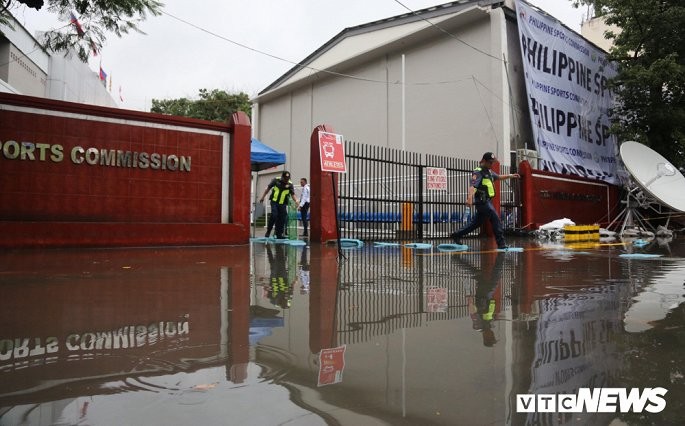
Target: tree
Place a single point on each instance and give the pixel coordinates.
(88, 21)
(216, 105)
(650, 86)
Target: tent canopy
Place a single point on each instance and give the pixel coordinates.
(264, 157)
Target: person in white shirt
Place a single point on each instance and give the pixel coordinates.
(304, 206)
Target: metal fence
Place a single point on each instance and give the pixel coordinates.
(382, 292)
(384, 196)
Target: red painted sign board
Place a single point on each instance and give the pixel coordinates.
(332, 152)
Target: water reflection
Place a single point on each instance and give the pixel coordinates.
(391, 335)
(485, 305)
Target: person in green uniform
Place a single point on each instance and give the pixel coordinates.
(281, 189)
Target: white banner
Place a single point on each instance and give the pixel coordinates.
(568, 98)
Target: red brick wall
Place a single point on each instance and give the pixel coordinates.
(53, 188)
(64, 191)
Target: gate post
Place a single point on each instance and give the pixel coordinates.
(322, 210)
(239, 178)
(527, 191)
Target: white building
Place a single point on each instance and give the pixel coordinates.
(445, 80)
(594, 29)
(451, 80)
(27, 69)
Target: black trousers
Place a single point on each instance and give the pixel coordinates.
(484, 211)
(278, 217)
(304, 210)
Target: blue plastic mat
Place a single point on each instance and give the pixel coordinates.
(638, 255)
(510, 249)
(453, 247)
(419, 245)
(261, 239)
(384, 244)
(351, 243)
(640, 243)
(296, 243)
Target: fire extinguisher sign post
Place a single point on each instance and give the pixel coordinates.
(332, 155)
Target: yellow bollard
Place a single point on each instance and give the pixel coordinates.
(406, 230)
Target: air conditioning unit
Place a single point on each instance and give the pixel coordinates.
(529, 155)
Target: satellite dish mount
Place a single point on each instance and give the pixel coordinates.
(654, 184)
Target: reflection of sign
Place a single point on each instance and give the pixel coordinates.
(574, 347)
(19, 353)
(436, 299)
(436, 179)
(332, 152)
(331, 365)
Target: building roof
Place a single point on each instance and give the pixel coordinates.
(354, 43)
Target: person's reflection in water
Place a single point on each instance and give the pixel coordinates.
(280, 290)
(485, 303)
(303, 273)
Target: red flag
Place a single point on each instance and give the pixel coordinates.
(103, 74)
(77, 24)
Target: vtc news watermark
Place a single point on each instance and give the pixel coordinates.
(595, 400)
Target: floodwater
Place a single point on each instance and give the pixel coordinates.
(280, 335)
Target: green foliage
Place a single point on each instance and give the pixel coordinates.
(215, 105)
(96, 17)
(650, 51)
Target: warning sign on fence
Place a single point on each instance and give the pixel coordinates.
(436, 179)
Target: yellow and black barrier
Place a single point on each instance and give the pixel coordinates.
(581, 233)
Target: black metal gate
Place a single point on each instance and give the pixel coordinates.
(384, 196)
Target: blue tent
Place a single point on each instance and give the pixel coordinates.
(264, 157)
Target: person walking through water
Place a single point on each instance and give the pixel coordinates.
(480, 195)
(281, 189)
(304, 205)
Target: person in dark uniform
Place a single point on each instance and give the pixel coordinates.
(281, 190)
(480, 195)
(488, 277)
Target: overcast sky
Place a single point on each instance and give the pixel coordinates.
(175, 59)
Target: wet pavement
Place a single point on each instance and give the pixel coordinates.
(273, 334)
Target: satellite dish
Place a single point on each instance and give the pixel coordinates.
(654, 174)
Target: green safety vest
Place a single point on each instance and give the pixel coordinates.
(278, 194)
(490, 314)
(486, 184)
